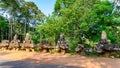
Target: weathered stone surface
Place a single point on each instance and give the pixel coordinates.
(104, 47)
(27, 44)
(15, 43)
(45, 46)
(4, 44)
(62, 45)
(79, 48)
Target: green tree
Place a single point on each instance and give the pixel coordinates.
(3, 28)
(23, 16)
(81, 20)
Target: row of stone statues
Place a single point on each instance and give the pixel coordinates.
(28, 44)
(103, 46)
(16, 45)
(62, 45)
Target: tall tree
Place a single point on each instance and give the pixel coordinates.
(3, 28)
(21, 14)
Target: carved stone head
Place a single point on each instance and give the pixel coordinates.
(62, 37)
(15, 37)
(103, 35)
(27, 37)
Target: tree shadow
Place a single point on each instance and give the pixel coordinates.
(80, 62)
(29, 64)
(4, 53)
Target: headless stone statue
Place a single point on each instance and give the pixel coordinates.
(79, 48)
(44, 46)
(4, 44)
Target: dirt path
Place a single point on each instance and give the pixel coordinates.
(62, 60)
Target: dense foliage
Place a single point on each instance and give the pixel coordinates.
(81, 21)
(3, 28)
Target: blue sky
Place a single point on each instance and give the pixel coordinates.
(46, 6)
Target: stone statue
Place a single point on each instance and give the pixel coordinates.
(4, 44)
(102, 42)
(62, 45)
(103, 39)
(15, 43)
(27, 44)
(104, 47)
(79, 48)
(45, 46)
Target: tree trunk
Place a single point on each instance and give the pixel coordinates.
(54, 39)
(25, 28)
(9, 30)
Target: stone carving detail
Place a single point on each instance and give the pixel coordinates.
(27, 44)
(45, 46)
(15, 43)
(4, 44)
(79, 48)
(62, 45)
(104, 47)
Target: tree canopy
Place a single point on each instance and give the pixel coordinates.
(82, 22)
(21, 15)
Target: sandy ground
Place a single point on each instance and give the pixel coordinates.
(59, 59)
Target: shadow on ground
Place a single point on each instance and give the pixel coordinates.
(29, 64)
(4, 53)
